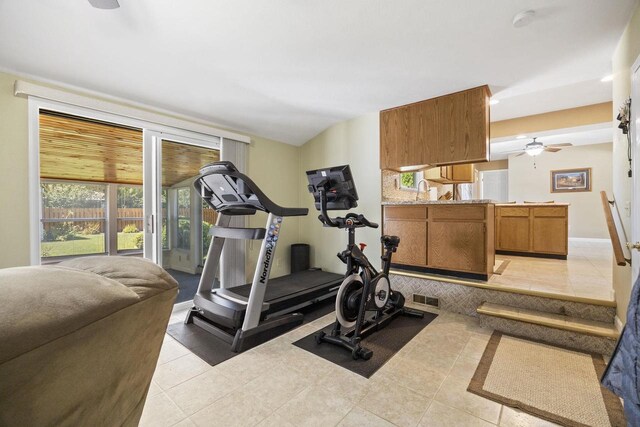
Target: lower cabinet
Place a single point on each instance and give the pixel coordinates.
(456, 238)
(458, 246)
(512, 229)
(413, 234)
(532, 229)
(550, 235)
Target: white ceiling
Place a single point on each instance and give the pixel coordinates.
(598, 133)
(288, 69)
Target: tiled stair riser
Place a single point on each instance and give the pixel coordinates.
(466, 299)
(570, 339)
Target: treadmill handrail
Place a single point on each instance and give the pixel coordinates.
(228, 169)
(237, 233)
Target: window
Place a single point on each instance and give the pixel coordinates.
(130, 218)
(73, 219)
(184, 218)
(409, 180)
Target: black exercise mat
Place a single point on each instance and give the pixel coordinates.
(384, 343)
(213, 350)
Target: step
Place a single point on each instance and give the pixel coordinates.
(503, 288)
(551, 320)
(552, 328)
(464, 298)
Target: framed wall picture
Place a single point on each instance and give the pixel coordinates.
(571, 180)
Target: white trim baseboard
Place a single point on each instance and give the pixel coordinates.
(618, 323)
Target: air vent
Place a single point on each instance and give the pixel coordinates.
(425, 300)
(419, 299)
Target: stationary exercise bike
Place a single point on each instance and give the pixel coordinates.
(365, 302)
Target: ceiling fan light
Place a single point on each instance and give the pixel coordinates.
(534, 151)
(105, 4)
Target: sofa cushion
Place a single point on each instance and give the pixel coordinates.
(138, 274)
(80, 298)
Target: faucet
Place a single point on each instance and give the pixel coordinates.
(426, 183)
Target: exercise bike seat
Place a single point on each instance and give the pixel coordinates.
(390, 241)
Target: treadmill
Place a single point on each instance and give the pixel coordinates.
(250, 314)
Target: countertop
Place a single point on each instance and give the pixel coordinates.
(439, 202)
(532, 204)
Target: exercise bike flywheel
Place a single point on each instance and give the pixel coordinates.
(348, 300)
(382, 290)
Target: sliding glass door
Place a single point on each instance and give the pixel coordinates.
(102, 184)
(178, 225)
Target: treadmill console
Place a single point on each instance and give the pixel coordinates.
(222, 187)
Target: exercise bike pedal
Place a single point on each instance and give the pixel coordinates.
(320, 337)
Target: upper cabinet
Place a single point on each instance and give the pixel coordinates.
(453, 174)
(446, 130)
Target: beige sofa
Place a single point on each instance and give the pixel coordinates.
(79, 341)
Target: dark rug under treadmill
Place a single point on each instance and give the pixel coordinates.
(384, 343)
(290, 284)
(213, 350)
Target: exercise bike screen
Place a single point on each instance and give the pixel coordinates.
(338, 183)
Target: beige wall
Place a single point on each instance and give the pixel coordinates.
(624, 56)
(493, 165)
(562, 119)
(354, 142)
(14, 194)
(586, 217)
(273, 166)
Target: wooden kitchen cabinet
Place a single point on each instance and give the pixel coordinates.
(447, 130)
(458, 174)
(414, 123)
(412, 234)
(451, 238)
(454, 174)
(410, 224)
(550, 235)
(513, 234)
(462, 120)
(533, 229)
(457, 246)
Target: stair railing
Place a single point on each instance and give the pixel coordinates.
(612, 226)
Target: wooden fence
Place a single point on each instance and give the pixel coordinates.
(93, 219)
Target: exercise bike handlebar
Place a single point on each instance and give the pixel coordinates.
(362, 220)
(351, 220)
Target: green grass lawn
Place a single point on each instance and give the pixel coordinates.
(86, 244)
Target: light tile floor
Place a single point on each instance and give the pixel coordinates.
(278, 384)
(587, 272)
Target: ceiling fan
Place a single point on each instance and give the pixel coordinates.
(535, 147)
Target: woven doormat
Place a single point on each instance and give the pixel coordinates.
(557, 384)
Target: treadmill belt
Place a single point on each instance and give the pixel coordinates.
(293, 283)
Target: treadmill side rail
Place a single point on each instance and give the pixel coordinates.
(261, 274)
(212, 263)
